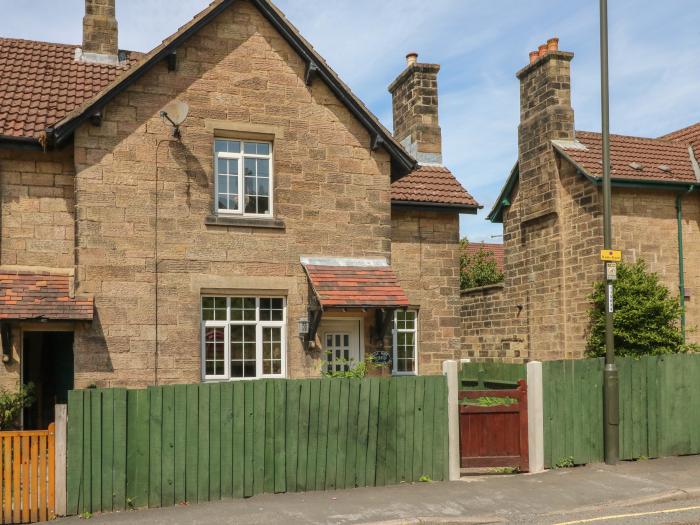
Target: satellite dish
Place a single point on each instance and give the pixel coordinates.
(176, 111)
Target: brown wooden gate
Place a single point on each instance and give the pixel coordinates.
(494, 436)
(27, 482)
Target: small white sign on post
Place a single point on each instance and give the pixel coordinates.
(611, 271)
(611, 307)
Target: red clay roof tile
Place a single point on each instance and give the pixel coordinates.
(431, 185)
(41, 82)
(496, 249)
(41, 296)
(632, 158)
(356, 286)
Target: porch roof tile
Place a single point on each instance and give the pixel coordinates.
(43, 295)
(356, 286)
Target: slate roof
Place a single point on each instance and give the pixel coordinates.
(497, 249)
(41, 82)
(25, 295)
(339, 286)
(632, 158)
(432, 184)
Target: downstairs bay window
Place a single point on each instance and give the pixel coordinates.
(405, 342)
(243, 337)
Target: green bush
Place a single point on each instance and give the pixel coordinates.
(646, 317)
(477, 269)
(12, 403)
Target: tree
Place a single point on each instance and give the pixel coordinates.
(646, 317)
(477, 269)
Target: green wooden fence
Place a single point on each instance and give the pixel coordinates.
(659, 408)
(202, 442)
(491, 375)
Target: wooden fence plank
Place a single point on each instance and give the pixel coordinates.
(382, 432)
(362, 433)
(192, 445)
(106, 459)
(180, 452)
(351, 455)
(6, 442)
(260, 403)
(322, 445)
(342, 441)
(155, 446)
(428, 422)
(418, 428)
(227, 440)
(168, 448)
(249, 445)
(392, 435)
(269, 440)
(314, 433)
(42, 480)
(51, 477)
(410, 427)
(332, 451)
(33, 487)
(204, 445)
(24, 465)
(214, 466)
(16, 481)
(292, 433)
(238, 441)
(280, 433)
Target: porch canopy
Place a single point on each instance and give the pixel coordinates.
(41, 295)
(354, 283)
(347, 283)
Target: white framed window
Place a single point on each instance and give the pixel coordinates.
(243, 337)
(405, 342)
(243, 177)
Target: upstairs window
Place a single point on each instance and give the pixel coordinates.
(243, 177)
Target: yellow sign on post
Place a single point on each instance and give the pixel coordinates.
(611, 255)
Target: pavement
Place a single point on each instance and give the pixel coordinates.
(650, 491)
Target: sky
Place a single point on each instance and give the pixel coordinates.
(480, 44)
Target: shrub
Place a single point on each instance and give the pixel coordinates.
(12, 403)
(646, 317)
(477, 269)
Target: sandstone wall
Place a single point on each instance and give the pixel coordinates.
(330, 189)
(425, 256)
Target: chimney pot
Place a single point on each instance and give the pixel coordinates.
(411, 58)
(542, 50)
(553, 44)
(534, 55)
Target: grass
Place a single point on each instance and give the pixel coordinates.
(505, 470)
(489, 401)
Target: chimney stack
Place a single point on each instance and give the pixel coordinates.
(415, 108)
(545, 115)
(100, 36)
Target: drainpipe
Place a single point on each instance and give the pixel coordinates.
(681, 270)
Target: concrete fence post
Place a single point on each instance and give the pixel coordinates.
(60, 460)
(451, 370)
(535, 416)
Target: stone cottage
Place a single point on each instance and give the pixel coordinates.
(551, 211)
(222, 207)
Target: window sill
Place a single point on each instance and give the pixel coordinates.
(245, 222)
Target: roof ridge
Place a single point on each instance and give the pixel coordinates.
(634, 137)
(29, 40)
(671, 135)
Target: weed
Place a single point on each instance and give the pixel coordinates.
(505, 470)
(86, 515)
(566, 462)
(425, 479)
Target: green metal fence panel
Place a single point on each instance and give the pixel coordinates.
(165, 445)
(491, 375)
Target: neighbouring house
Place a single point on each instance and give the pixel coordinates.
(551, 211)
(274, 229)
(493, 249)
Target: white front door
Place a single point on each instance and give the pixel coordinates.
(340, 340)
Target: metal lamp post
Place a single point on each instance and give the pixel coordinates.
(611, 392)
